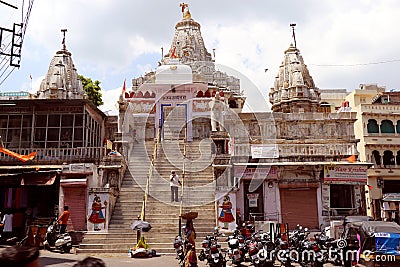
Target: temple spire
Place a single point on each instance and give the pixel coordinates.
(63, 41)
(293, 34)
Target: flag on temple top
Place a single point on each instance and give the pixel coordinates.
(30, 76)
(370, 187)
(351, 159)
(124, 87)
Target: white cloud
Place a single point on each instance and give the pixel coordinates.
(110, 98)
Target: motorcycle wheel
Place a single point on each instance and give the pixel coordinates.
(201, 257)
(66, 249)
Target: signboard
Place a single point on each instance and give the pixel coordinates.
(264, 151)
(345, 173)
(252, 200)
(174, 98)
(257, 173)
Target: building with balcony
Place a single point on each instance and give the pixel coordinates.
(302, 152)
(378, 128)
(66, 132)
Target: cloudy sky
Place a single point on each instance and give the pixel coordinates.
(344, 43)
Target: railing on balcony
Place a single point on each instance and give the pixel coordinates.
(381, 108)
(57, 155)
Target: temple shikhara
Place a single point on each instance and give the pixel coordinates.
(299, 163)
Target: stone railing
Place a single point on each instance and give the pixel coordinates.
(287, 150)
(381, 108)
(315, 116)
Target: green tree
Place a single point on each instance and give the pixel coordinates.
(92, 89)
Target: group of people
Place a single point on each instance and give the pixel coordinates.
(22, 256)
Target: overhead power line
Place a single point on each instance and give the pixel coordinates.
(11, 41)
(356, 64)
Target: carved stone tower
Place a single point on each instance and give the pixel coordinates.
(61, 80)
(294, 89)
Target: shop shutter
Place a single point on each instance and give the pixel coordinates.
(299, 206)
(75, 198)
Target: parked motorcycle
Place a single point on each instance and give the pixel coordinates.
(261, 250)
(179, 249)
(211, 251)
(331, 248)
(304, 251)
(266, 253)
(237, 248)
(54, 240)
(282, 252)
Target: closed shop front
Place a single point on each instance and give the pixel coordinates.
(75, 195)
(299, 206)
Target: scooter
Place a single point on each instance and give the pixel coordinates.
(54, 240)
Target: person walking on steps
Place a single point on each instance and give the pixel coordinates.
(174, 184)
(63, 220)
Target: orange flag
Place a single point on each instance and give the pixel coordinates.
(351, 159)
(22, 158)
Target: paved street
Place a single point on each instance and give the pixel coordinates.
(54, 259)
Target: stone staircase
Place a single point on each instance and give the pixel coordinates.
(198, 195)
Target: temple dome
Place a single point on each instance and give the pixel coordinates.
(294, 89)
(61, 80)
(174, 73)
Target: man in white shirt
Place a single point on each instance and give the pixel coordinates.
(174, 184)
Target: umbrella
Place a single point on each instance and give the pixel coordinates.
(190, 215)
(141, 225)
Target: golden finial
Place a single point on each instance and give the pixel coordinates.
(185, 11)
(187, 15)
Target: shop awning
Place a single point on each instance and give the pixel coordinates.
(38, 180)
(391, 197)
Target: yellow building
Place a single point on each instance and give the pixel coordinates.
(378, 128)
